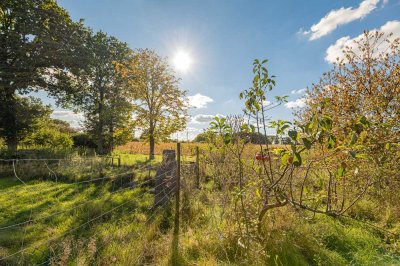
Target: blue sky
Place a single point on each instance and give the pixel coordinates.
(223, 38)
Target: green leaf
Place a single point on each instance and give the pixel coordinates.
(284, 158)
(340, 171)
(245, 128)
(293, 134)
(282, 130)
(331, 142)
(387, 146)
(307, 143)
(354, 138)
(227, 138)
(363, 120)
(361, 156)
(258, 193)
(353, 154)
(297, 159)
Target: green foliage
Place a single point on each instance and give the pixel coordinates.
(29, 111)
(83, 140)
(101, 95)
(49, 136)
(158, 103)
(40, 46)
(205, 137)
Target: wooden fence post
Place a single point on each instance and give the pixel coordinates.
(178, 187)
(197, 167)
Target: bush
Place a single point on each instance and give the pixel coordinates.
(50, 138)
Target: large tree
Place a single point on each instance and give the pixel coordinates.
(159, 105)
(39, 44)
(101, 94)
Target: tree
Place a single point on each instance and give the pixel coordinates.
(49, 133)
(364, 83)
(159, 105)
(28, 112)
(63, 126)
(102, 97)
(204, 137)
(39, 44)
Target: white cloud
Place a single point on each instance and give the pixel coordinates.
(74, 119)
(266, 103)
(199, 101)
(202, 118)
(299, 103)
(336, 50)
(300, 91)
(338, 17)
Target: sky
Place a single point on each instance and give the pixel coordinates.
(300, 39)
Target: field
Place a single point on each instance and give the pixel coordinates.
(87, 217)
(68, 212)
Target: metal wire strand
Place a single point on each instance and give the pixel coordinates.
(76, 228)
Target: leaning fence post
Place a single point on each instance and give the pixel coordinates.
(197, 168)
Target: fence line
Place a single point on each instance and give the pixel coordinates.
(165, 194)
(130, 212)
(74, 229)
(132, 171)
(81, 204)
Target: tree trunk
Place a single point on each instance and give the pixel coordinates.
(9, 119)
(12, 144)
(111, 137)
(151, 145)
(100, 137)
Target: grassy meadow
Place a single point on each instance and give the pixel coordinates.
(109, 222)
(72, 213)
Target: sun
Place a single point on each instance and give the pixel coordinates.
(182, 61)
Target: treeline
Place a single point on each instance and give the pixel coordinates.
(116, 88)
(249, 137)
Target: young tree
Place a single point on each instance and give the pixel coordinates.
(365, 82)
(102, 97)
(39, 44)
(159, 105)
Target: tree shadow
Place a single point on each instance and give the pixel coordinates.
(175, 257)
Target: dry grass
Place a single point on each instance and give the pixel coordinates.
(143, 147)
(187, 149)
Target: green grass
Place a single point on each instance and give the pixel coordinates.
(138, 159)
(57, 208)
(208, 238)
(122, 237)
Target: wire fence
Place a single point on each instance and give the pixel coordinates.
(139, 179)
